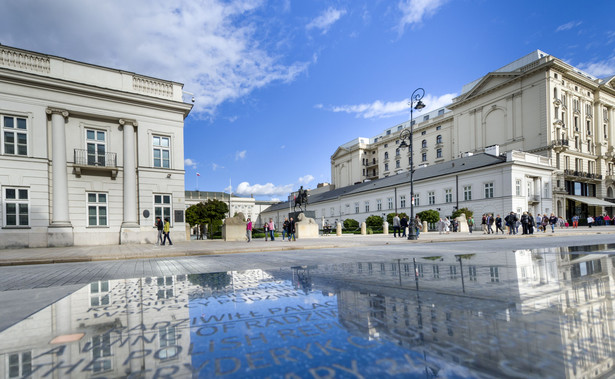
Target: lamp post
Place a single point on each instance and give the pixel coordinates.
(415, 103)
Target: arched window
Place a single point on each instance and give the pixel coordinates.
(386, 155)
(609, 192)
(439, 139)
(424, 143)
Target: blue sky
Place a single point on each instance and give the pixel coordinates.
(279, 85)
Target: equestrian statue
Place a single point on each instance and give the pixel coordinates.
(301, 200)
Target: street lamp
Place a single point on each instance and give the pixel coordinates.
(415, 103)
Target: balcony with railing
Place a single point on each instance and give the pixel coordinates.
(533, 199)
(582, 174)
(560, 144)
(100, 162)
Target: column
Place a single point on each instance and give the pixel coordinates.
(59, 216)
(130, 175)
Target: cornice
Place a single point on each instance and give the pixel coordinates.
(75, 88)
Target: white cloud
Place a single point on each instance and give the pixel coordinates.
(275, 199)
(413, 11)
(244, 188)
(240, 155)
(283, 147)
(215, 166)
(305, 179)
(568, 26)
(380, 109)
(200, 43)
(190, 163)
(599, 69)
(326, 19)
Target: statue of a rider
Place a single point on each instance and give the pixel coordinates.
(301, 199)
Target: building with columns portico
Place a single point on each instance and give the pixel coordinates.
(89, 155)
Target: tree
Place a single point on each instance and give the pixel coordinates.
(211, 212)
(465, 211)
(351, 224)
(431, 216)
(214, 211)
(195, 216)
(374, 222)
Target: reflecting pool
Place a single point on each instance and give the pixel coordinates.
(525, 313)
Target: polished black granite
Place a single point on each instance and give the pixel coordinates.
(518, 313)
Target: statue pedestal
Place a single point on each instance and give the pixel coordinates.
(462, 223)
(234, 228)
(306, 227)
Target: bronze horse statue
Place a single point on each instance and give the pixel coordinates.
(301, 200)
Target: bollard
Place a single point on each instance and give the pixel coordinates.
(338, 229)
(363, 228)
(385, 227)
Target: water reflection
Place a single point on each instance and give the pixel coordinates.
(538, 313)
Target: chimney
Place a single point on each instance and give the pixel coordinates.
(493, 150)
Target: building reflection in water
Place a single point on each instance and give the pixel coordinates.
(538, 313)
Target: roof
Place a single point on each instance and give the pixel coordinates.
(422, 173)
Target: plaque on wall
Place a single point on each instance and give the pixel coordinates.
(179, 216)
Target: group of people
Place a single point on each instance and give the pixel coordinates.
(401, 224)
(163, 228)
(288, 229)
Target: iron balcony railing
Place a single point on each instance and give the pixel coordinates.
(83, 158)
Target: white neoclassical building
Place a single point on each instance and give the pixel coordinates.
(89, 155)
(484, 183)
(538, 104)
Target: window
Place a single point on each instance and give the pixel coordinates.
(439, 139)
(386, 167)
(162, 151)
(424, 157)
(453, 271)
(439, 153)
(402, 201)
(96, 145)
(15, 133)
(20, 364)
(432, 197)
(168, 342)
(397, 152)
(416, 199)
(425, 118)
(448, 195)
(495, 274)
(379, 204)
(436, 271)
(390, 200)
(367, 206)
(332, 211)
(424, 143)
(467, 193)
(162, 207)
(356, 207)
(101, 348)
(488, 190)
(99, 293)
(397, 164)
(472, 273)
(440, 126)
(386, 145)
(423, 132)
(16, 203)
(386, 155)
(518, 187)
(97, 209)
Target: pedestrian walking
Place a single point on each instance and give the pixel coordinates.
(490, 222)
(575, 221)
(396, 225)
(285, 229)
(291, 229)
(271, 228)
(159, 227)
(545, 222)
(266, 229)
(498, 224)
(249, 230)
(471, 224)
(403, 224)
(553, 221)
(167, 231)
(483, 223)
(590, 221)
(531, 222)
(525, 219)
(418, 225)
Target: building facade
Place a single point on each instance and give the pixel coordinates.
(249, 206)
(89, 155)
(537, 104)
(484, 183)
